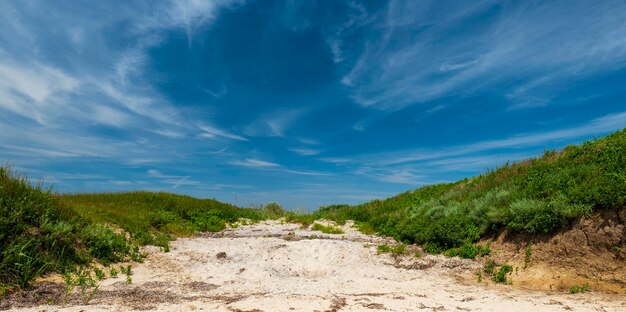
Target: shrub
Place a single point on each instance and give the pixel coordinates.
(105, 245)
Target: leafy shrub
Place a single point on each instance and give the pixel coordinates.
(209, 221)
(468, 251)
(105, 245)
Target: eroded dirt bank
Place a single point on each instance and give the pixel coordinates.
(590, 251)
(279, 267)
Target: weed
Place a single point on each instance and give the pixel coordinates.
(579, 289)
(113, 272)
(82, 278)
(99, 274)
(527, 255)
(382, 249)
(500, 277)
(489, 267)
(327, 229)
(469, 251)
(399, 249)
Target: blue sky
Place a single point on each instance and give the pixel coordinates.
(306, 103)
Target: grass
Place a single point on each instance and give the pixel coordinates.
(579, 289)
(500, 276)
(536, 196)
(327, 229)
(398, 249)
(41, 232)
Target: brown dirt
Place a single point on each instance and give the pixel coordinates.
(590, 251)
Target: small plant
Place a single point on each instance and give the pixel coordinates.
(418, 254)
(527, 254)
(382, 249)
(469, 251)
(327, 229)
(579, 289)
(489, 267)
(479, 277)
(82, 278)
(128, 271)
(398, 249)
(70, 285)
(113, 272)
(500, 277)
(99, 274)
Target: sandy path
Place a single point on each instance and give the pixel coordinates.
(270, 267)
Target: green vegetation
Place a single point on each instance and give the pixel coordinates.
(156, 218)
(500, 276)
(38, 234)
(398, 249)
(536, 196)
(327, 229)
(527, 255)
(468, 251)
(579, 289)
(41, 232)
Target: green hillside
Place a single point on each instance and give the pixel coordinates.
(41, 232)
(539, 195)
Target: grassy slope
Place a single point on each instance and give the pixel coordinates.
(148, 217)
(41, 232)
(535, 196)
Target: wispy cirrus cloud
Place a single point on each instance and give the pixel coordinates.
(516, 45)
(266, 165)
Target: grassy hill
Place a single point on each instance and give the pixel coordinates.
(42, 232)
(539, 195)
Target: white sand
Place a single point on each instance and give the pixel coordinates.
(333, 274)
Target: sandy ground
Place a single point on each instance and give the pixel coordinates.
(271, 266)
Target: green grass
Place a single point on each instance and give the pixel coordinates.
(156, 218)
(38, 234)
(579, 289)
(327, 229)
(536, 196)
(500, 276)
(41, 232)
(398, 249)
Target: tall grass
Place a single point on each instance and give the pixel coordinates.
(41, 232)
(536, 196)
(38, 234)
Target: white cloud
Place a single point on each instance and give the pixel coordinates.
(597, 126)
(518, 46)
(305, 151)
(266, 165)
(211, 132)
(274, 124)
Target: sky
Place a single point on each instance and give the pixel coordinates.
(305, 103)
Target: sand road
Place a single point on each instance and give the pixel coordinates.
(274, 266)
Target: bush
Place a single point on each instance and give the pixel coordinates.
(105, 245)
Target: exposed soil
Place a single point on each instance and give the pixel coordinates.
(271, 266)
(591, 251)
